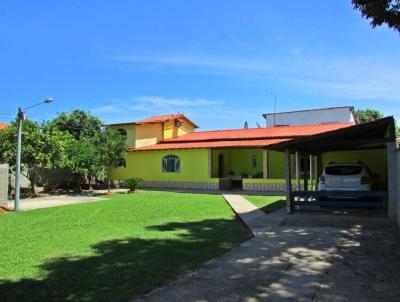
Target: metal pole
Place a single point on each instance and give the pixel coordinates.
(20, 118)
(274, 109)
(311, 173)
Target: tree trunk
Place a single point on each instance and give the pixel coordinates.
(32, 184)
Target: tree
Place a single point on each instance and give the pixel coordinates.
(380, 11)
(93, 152)
(111, 146)
(78, 123)
(41, 148)
(368, 115)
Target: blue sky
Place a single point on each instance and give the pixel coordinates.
(216, 61)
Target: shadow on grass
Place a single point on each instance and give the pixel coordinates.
(274, 206)
(123, 268)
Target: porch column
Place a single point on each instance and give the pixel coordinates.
(288, 183)
(209, 163)
(305, 172)
(392, 179)
(297, 171)
(265, 163)
(311, 172)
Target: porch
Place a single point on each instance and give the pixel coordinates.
(258, 169)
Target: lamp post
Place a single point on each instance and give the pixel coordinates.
(20, 118)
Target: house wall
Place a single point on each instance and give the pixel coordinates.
(316, 116)
(148, 166)
(276, 164)
(375, 159)
(214, 161)
(170, 130)
(241, 161)
(398, 186)
(148, 134)
(130, 130)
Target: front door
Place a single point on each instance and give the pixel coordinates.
(220, 165)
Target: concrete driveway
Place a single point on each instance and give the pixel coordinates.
(305, 258)
(51, 201)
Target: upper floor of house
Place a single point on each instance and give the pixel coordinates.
(344, 114)
(152, 130)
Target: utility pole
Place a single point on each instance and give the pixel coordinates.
(274, 106)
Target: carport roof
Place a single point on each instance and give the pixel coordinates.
(368, 135)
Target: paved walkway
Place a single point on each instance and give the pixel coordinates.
(293, 259)
(255, 219)
(51, 201)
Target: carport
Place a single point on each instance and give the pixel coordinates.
(373, 143)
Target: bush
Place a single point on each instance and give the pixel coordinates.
(133, 183)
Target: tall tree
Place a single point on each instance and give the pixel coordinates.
(41, 148)
(78, 123)
(380, 11)
(368, 115)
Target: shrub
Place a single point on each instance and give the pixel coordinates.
(133, 183)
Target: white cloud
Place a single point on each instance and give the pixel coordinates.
(158, 101)
(353, 77)
(114, 108)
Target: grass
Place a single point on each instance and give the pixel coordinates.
(267, 203)
(112, 249)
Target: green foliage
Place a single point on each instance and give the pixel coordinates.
(368, 115)
(92, 251)
(78, 123)
(73, 141)
(380, 11)
(133, 183)
(42, 147)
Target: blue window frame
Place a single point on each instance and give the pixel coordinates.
(171, 164)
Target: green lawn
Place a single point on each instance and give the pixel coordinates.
(112, 249)
(267, 203)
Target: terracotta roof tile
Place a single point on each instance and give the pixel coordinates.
(157, 119)
(255, 137)
(260, 133)
(3, 125)
(216, 144)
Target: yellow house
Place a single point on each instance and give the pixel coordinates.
(166, 152)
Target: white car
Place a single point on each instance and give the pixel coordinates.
(345, 177)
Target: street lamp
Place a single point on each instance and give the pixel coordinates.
(20, 118)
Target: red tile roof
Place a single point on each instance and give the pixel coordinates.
(259, 133)
(3, 125)
(215, 144)
(158, 119)
(255, 137)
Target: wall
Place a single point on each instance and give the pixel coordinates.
(148, 134)
(3, 182)
(276, 164)
(241, 161)
(375, 159)
(130, 130)
(327, 115)
(214, 161)
(147, 165)
(237, 161)
(398, 186)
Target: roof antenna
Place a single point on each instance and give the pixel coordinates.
(258, 125)
(246, 125)
(274, 106)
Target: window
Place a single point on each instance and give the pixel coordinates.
(254, 161)
(170, 164)
(343, 170)
(123, 132)
(121, 163)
